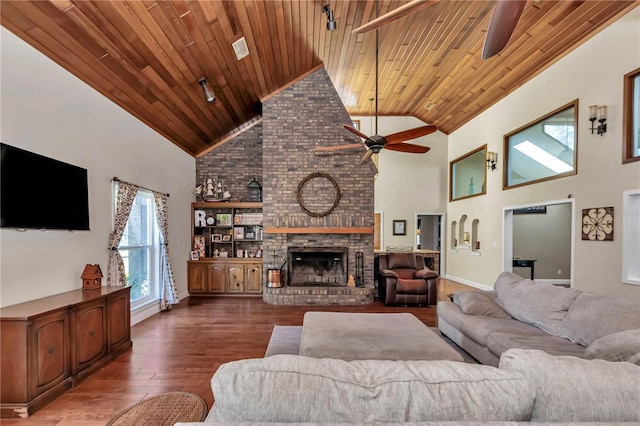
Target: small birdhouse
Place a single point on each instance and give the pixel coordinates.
(91, 277)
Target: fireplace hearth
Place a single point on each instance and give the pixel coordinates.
(317, 266)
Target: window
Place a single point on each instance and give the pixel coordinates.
(140, 251)
(543, 150)
(630, 237)
(467, 175)
(631, 117)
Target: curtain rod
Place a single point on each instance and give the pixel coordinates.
(115, 179)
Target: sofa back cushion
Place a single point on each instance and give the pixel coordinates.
(294, 388)
(542, 305)
(570, 389)
(593, 316)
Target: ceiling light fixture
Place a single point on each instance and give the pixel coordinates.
(206, 90)
(331, 22)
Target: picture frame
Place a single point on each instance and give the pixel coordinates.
(399, 227)
(239, 253)
(216, 237)
(195, 255)
(226, 238)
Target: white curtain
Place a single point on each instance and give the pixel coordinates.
(124, 201)
(168, 290)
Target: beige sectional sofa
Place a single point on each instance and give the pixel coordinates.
(520, 313)
(528, 386)
(555, 386)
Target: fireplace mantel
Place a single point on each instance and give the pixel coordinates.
(334, 230)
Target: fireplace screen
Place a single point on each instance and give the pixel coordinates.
(316, 266)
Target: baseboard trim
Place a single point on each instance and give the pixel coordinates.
(469, 283)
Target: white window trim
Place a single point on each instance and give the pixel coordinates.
(630, 237)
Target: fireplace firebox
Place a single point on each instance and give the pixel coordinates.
(317, 266)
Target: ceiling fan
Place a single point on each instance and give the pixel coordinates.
(505, 17)
(394, 142)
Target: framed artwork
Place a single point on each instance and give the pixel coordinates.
(195, 255)
(597, 224)
(216, 237)
(226, 238)
(399, 227)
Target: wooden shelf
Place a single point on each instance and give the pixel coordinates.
(319, 230)
(227, 205)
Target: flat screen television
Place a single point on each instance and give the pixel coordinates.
(38, 192)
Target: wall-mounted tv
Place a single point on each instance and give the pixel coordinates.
(41, 193)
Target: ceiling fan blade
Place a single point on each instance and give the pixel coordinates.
(408, 147)
(337, 147)
(366, 156)
(395, 14)
(355, 132)
(503, 22)
(406, 135)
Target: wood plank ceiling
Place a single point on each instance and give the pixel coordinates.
(147, 56)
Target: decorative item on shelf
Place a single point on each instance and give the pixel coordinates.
(598, 113)
(224, 219)
(255, 191)
(466, 238)
(259, 252)
(91, 277)
(223, 253)
(211, 190)
(238, 232)
(239, 253)
(477, 245)
(492, 159)
(199, 245)
(597, 224)
(216, 253)
(194, 255)
(472, 187)
(226, 238)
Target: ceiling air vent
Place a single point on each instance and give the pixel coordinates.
(429, 105)
(240, 47)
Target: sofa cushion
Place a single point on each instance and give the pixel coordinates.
(570, 389)
(291, 388)
(620, 346)
(498, 343)
(593, 316)
(480, 327)
(479, 303)
(543, 305)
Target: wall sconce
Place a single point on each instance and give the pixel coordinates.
(331, 22)
(492, 159)
(598, 113)
(206, 90)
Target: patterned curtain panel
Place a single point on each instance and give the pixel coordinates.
(124, 201)
(169, 292)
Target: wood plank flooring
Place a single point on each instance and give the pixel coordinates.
(179, 350)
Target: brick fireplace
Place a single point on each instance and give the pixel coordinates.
(296, 120)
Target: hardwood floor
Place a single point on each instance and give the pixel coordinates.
(179, 350)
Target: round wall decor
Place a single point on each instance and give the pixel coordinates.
(316, 196)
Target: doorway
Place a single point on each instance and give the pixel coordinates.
(539, 241)
(429, 235)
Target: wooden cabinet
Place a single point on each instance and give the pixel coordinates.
(48, 345)
(231, 276)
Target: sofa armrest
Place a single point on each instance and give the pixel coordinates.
(425, 274)
(388, 273)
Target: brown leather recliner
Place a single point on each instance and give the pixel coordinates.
(405, 280)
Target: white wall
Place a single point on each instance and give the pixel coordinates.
(593, 73)
(47, 110)
(408, 183)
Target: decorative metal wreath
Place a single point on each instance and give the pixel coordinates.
(313, 176)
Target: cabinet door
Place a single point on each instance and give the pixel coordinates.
(236, 278)
(197, 281)
(253, 279)
(50, 353)
(89, 330)
(217, 277)
(119, 320)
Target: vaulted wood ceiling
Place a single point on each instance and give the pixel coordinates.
(147, 56)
